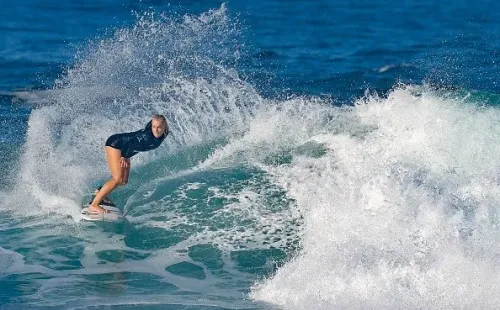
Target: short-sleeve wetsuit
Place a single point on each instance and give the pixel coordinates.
(131, 143)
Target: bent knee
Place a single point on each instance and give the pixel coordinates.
(117, 181)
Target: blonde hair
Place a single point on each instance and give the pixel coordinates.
(159, 117)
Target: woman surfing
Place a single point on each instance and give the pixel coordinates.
(120, 148)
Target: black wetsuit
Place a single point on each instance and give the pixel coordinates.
(131, 143)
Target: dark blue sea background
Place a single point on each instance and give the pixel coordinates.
(322, 155)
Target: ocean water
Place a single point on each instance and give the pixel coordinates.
(322, 155)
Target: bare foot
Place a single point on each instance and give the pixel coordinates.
(96, 209)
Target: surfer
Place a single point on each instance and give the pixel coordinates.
(120, 148)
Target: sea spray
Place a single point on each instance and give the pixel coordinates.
(176, 66)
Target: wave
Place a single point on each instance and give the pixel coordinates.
(401, 213)
(169, 65)
(390, 201)
(190, 226)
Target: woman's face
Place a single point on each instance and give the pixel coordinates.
(158, 127)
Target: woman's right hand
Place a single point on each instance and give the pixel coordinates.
(124, 162)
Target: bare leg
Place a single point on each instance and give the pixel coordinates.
(113, 157)
(104, 199)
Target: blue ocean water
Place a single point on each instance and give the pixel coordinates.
(322, 155)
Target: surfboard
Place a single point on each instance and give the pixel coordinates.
(113, 214)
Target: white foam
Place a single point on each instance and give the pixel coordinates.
(402, 215)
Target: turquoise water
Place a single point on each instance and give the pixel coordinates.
(322, 155)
